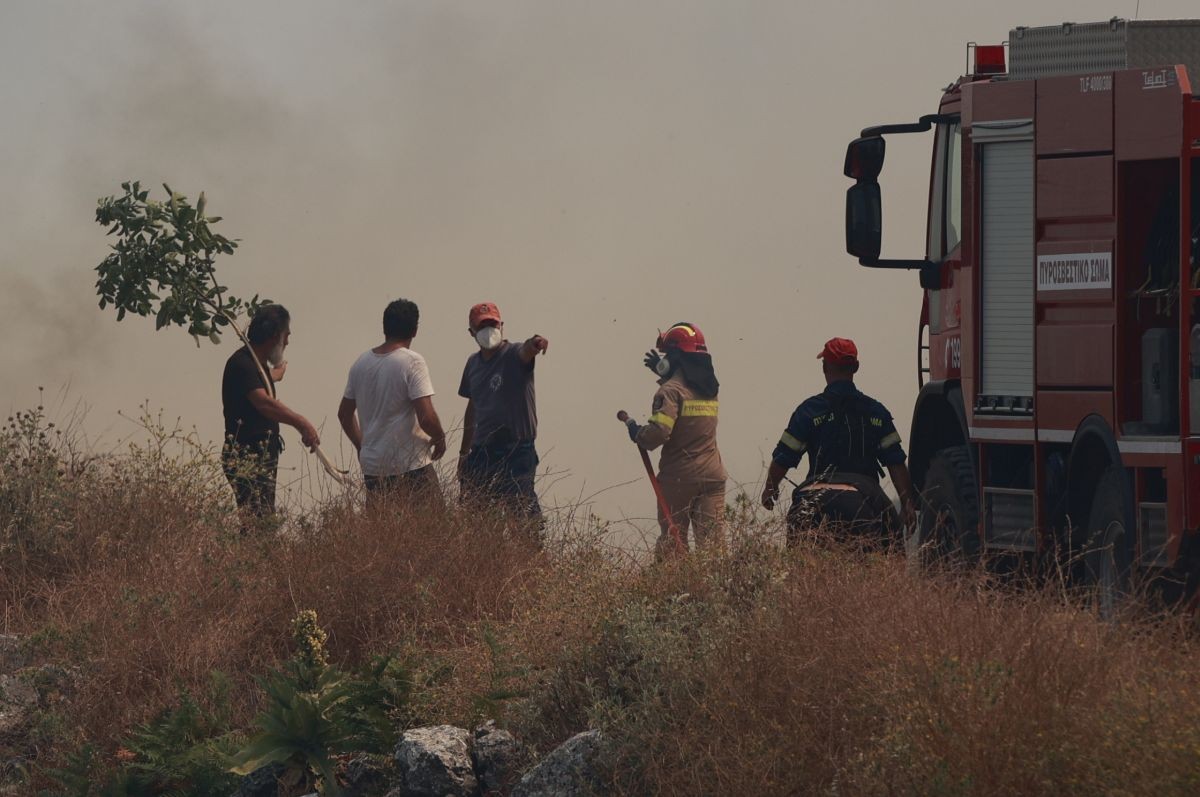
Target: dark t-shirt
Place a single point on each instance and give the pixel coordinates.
(243, 423)
(501, 391)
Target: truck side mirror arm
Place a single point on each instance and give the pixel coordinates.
(922, 125)
(908, 265)
(864, 161)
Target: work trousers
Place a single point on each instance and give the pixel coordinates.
(698, 505)
(851, 506)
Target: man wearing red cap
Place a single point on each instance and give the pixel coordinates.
(847, 435)
(498, 461)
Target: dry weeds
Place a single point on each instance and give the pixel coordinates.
(751, 671)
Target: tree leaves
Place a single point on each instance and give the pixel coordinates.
(163, 262)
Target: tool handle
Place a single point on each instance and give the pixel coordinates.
(623, 417)
(672, 529)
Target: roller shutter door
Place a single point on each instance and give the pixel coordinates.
(1007, 269)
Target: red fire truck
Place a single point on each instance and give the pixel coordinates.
(1059, 337)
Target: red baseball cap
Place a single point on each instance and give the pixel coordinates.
(839, 351)
(484, 311)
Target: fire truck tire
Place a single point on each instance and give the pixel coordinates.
(948, 526)
(1108, 552)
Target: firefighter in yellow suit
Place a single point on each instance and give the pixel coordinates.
(684, 423)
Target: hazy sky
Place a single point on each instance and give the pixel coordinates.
(600, 170)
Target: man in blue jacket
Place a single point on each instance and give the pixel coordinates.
(849, 438)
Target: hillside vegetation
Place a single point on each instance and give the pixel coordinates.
(751, 671)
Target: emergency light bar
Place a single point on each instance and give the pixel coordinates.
(989, 59)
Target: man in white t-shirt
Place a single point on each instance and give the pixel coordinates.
(387, 412)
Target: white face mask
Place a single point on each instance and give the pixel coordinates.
(488, 338)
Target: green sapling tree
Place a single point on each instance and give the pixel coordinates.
(163, 265)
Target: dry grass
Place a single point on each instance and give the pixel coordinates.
(142, 581)
(832, 671)
(752, 671)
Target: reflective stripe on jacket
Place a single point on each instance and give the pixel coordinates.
(685, 425)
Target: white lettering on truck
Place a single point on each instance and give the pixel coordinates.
(1094, 83)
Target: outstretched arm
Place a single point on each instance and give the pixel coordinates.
(532, 347)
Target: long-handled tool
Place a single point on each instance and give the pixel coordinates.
(680, 547)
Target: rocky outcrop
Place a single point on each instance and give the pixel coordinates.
(27, 695)
(12, 654)
(497, 756)
(366, 776)
(572, 768)
(18, 705)
(436, 762)
(18, 692)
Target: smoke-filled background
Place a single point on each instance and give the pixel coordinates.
(600, 170)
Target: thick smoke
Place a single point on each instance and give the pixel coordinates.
(599, 170)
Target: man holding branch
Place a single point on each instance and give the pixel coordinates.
(250, 456)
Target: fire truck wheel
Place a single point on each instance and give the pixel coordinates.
(948, 528)
(1108, 553)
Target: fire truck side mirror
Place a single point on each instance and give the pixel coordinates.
(864, 158)
(864, 220)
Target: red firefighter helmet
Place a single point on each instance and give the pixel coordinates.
(683, 336)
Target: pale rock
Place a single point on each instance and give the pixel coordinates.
(497, 756)
(570, 769)
(436, 762)
(18, 703)
(12, 654)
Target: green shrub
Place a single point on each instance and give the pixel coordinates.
(185, 750)
(316, 712)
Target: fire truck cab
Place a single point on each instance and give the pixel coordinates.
(1059, 336)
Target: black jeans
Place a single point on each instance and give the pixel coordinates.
(505, 474)
(420, 485)
(251, 470)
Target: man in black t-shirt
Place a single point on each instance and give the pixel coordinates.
(250, 456)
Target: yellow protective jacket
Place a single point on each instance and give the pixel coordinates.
(685, 425)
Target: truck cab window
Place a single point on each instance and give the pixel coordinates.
(953, 224)
(945, 205)
(945, 208)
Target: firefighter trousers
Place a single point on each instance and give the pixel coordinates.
(694, 505)
(848, 505)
